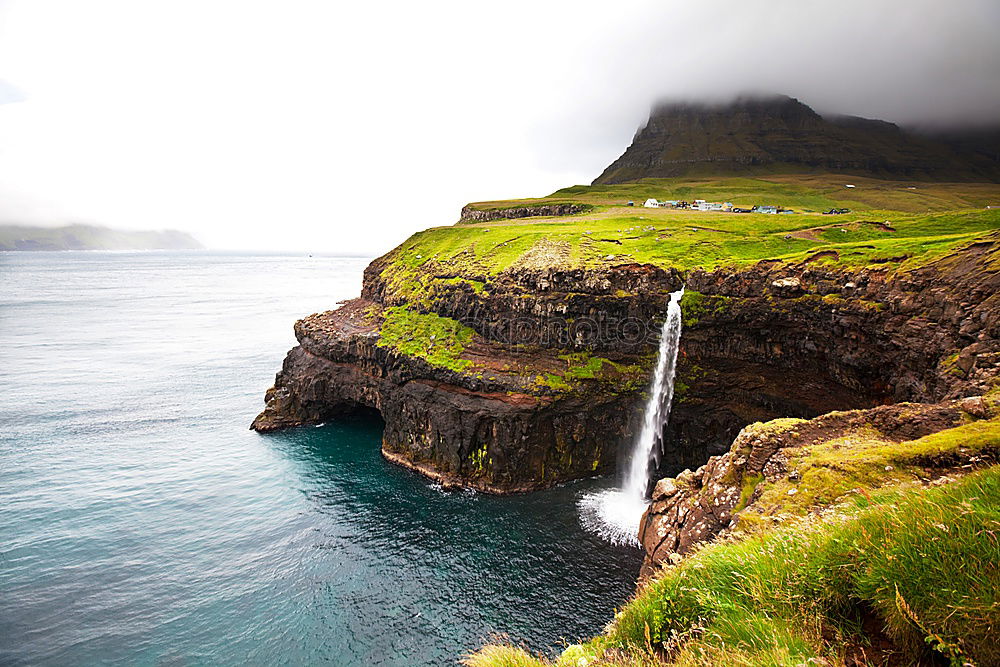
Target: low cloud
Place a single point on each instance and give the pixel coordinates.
(918, 63)
(345, 127)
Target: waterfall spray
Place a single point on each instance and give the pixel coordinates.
(615, 514)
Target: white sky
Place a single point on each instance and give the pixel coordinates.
(334, 126)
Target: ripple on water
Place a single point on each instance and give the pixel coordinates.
(142, 522)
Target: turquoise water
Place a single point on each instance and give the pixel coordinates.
(142, 523)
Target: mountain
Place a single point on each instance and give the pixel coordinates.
(779, 134)
(91, 237)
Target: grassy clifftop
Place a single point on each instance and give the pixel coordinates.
(891, 225)
(473, 262)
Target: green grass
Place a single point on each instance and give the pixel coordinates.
(817, 192)
(441, 341)
(438, 340)
(501, 656)
(864, 459)
(584, 366)
(680, 240)
(926, 220)
(924, 561)
(744, 192)
(695, 305)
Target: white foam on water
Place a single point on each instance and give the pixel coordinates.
(613, 515)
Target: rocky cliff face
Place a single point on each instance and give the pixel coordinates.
(473, 214)
(761, 135)
(771, 340)
(495, 430)
(789, 467)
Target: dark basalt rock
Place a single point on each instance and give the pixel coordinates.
(472, 214)
(461, 430)
(761, 342)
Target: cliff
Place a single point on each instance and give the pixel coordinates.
(471, 213)
(766, 135)
(494, 418)
(513, 357)
(835, 402)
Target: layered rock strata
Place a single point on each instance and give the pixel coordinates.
(496, 429)
(765, 341)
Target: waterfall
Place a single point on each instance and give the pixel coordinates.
(645, 455)
(614, 514)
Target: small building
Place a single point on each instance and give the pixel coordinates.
(766, 209)
(652, 203)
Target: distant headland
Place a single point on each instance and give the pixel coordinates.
(92, 237)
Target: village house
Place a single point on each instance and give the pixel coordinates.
(697, 205)
(702, 205)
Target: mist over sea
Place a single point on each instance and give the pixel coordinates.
(142, 523)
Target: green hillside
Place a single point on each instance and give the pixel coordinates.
(761, 135)
(882, 229)
(806, 192)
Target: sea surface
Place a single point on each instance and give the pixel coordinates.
(142, 523)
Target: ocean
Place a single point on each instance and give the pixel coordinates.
(142, 523)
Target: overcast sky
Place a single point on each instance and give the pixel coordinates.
(344, 127)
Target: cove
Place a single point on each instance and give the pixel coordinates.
(142, 523)
(425, 574)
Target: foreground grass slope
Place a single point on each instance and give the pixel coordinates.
(914, 568)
